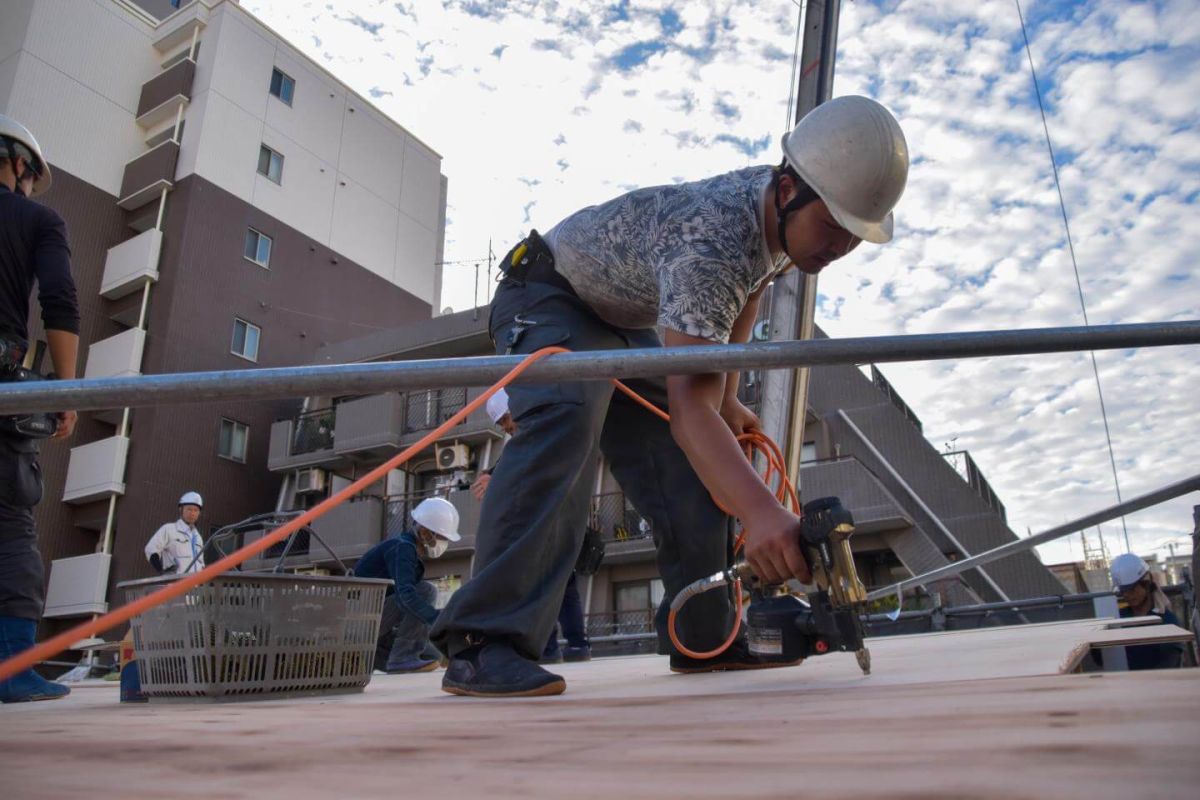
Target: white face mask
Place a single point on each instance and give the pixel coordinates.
(438, 548)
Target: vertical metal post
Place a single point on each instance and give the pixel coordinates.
(792, 310)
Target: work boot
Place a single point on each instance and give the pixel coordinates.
(16, 636)
(496, 669)
(571, 653)
(411, 665)
(736, 657)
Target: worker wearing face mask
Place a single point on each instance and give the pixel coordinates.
(408, 612)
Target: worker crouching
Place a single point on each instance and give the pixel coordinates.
(408, 612)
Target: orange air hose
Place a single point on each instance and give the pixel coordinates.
(63, 641)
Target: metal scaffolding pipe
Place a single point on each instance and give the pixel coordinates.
(349, 379)
(1168, 492)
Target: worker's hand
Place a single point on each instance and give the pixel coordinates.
(479, 487)
(773, 547)
(66, 424)
(739, 418)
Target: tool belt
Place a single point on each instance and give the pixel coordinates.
(25, 426)
(12, 355)
(532, 262)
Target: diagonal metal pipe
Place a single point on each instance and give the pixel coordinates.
(1168, 492)
(346, 379)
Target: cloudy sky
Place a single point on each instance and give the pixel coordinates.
(539, 108)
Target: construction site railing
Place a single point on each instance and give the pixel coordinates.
(368, 378)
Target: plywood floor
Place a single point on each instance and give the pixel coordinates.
(969, 714)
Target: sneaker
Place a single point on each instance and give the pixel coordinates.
(581, 653)
(412, 665)
(737, 657)
(495, 669)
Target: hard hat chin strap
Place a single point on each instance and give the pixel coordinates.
(804, 196)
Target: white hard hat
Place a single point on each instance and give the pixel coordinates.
(438, 515)
(1127, 569)
(192, 499)
(497, 406)
(852, 153)
(16, 140)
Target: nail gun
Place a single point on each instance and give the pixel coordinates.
(784, 626)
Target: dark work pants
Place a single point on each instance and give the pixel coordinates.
(535, 512)
(22, 587)
(402, 634)
(570, 620)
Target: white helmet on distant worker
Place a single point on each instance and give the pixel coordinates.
(16, 140)
(852, 153)
(1127, 569)
(497, 406)
(192, 499)
(438, 515)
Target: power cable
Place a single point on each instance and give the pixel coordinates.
(1062, 204)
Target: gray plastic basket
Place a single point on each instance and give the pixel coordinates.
(254, 636)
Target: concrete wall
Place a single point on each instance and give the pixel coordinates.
(352, 179)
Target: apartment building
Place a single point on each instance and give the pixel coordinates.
(231, 205)
(915, 508)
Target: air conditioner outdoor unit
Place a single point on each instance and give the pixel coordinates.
(310, 481)
(452, 456)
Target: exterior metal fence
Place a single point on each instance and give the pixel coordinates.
(615, 520)
(313, 431)
(619, 623)
(428, 409)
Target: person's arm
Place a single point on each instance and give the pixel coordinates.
(60, 306)
(739, 418)
(772, 532)
(403, 566)
(155, 549)
(64, 349)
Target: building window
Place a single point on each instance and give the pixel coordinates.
(282, 86)
(245, 339)
(257, 248)
(176, 3)
(270, 164)
(231, 442)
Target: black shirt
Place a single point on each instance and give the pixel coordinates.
(33, 246)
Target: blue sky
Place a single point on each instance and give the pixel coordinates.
(539, 108)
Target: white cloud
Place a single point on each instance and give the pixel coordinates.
(979, 243)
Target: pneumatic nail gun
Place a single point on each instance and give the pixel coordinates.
(784, 626)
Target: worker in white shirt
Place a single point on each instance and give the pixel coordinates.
(176, 547)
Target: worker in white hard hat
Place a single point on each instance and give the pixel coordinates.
(693, 259)
(33, 250)
(409, 611)
(177, 548)
(1140, 596)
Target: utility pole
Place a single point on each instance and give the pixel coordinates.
(794, 296)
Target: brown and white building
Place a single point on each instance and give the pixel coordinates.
(230, 205)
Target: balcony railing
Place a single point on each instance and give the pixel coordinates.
(130, 264)
(148, 174)
(428, 409)
(616, 520)
(117, 356)
(969, 471)
(313, 431)
(619, 623)
(162, 95)
(96, 470)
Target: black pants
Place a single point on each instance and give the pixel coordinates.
(22, 589)
(534, 514)
(570, 620)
